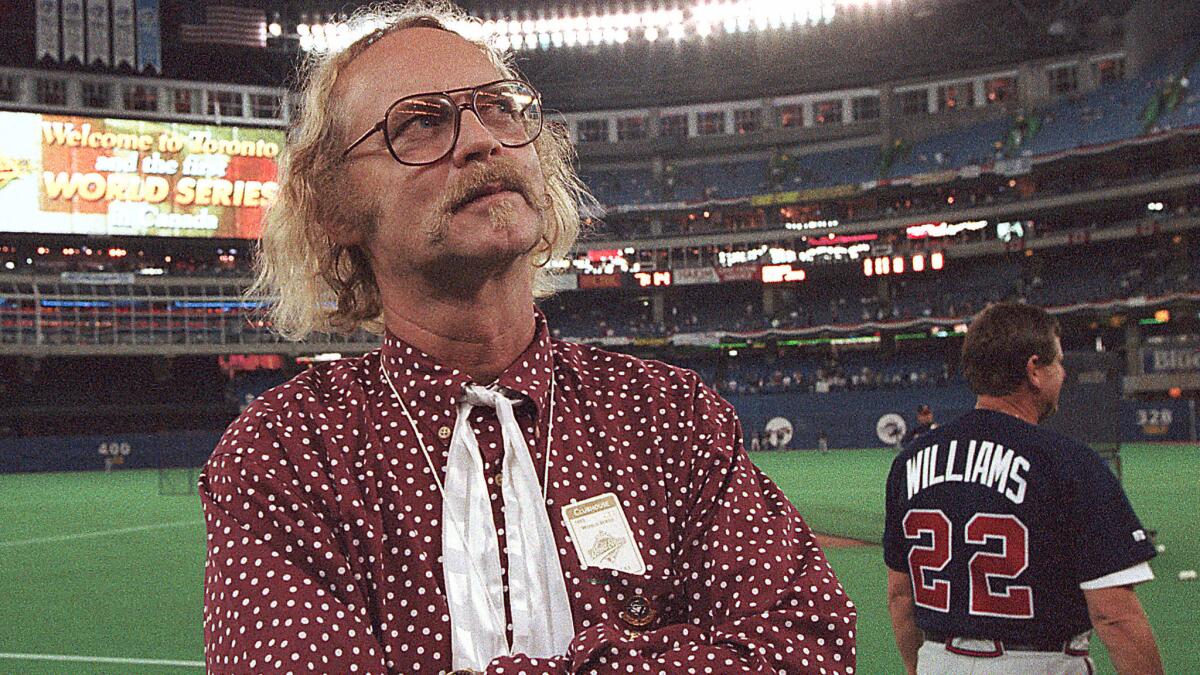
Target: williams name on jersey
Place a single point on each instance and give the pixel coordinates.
(986, 463)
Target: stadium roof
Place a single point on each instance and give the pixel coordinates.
(867, 42)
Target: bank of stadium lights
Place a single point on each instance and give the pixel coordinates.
(698, 19)
(776, 255)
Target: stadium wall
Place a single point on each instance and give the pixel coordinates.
(86, 453)
(850, 418)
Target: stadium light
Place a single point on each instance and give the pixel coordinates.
(697, 19)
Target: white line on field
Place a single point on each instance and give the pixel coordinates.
(101, 659)
(99, 533)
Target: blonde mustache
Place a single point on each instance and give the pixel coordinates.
(499, 171)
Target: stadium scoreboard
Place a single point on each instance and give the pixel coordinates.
(70, 174)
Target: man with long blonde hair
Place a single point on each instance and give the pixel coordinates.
(474, 495)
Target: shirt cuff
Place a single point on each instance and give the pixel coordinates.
(1126, 577)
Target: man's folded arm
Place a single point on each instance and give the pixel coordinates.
(279, 594)
(759, 594)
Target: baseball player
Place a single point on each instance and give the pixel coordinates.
(1008, 544)
(924, 424)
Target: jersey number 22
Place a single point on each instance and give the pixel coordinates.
(1011, 602)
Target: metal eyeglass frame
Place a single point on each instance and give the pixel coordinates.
(469, 104)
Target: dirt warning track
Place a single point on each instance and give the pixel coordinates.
(834, 541)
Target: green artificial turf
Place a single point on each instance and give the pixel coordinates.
(131, 593)
(134, 590)
(842, 493)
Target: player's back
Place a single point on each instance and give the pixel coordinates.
(998, 522)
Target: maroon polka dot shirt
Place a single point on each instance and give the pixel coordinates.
(324, 524)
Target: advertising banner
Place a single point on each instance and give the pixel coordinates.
(832, 192)
(685, 276)
(588, 281)
(98, 278)
(1171, 359)
(149, 37)
(811, 194)
(935, 177)
(970, 171)
(72, 30)
(64, 174)
(99, 49)
(123, 37)
(775, 198)
(738, 273)
(48, 45)
(1018, 166)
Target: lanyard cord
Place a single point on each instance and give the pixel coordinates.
(496, 612)
(437, 479)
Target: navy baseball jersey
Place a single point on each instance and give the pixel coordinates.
(998, 522)
(917, 431)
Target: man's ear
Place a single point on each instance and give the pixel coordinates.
(340, 233)
(342, 223)
(1033, 375)
(342, 218)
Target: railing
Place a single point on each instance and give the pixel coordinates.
(126, 314)
(48, 315)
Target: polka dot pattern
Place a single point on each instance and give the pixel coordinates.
(324, 524)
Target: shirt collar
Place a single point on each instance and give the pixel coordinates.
(420, 379)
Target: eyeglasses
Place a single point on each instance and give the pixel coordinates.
(423, 128)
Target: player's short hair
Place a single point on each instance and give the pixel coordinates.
(1000, 341)
(313, 284)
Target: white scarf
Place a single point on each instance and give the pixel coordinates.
(541, 613)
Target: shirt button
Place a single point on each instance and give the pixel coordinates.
(638, 613)
(444, 433)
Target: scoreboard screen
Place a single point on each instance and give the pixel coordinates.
(67, 174)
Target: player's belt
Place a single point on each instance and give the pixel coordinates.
(1071, 647)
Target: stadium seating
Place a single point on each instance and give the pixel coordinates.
(1063, 277)
(971, 145)
(1108, 114)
